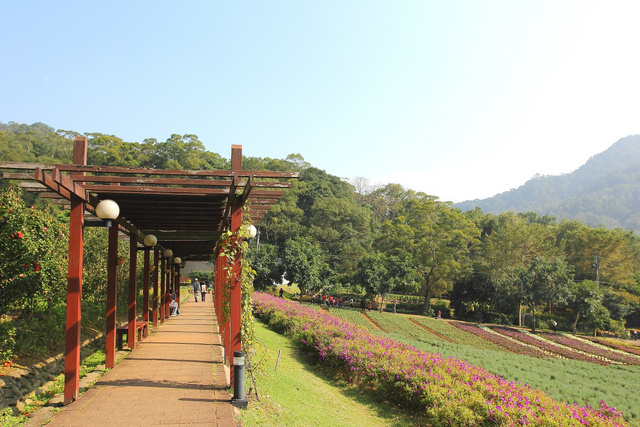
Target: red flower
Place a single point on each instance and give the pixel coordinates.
(36, 266)
(26, 265)
(17, 235)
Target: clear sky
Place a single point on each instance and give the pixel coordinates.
(458, 99)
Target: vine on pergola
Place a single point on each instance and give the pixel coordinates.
(231, 245)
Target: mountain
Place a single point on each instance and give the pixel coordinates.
(604, 191)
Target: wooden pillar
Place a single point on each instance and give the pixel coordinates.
(74, 285)
(163, 276)
(177, 289)
(145, 288)
(173, 287)
(74, 299)
(165, 304)
(236, 291)
(235, 321)
(133, 257)
(156, 263)
(112, 292)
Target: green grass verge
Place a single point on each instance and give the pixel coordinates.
(297, 393)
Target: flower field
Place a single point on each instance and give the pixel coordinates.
(457, 335)
(614, 345)
(445, 391)
(592, 349)
(501, 340)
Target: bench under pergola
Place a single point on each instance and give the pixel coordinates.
(187, 211)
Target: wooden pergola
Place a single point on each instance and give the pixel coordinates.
(186, 210)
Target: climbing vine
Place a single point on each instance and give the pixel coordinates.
(231, 246)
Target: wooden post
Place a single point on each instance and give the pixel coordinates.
(162, 286)
(74, 285)
(165, 308)
(172, 288)
(74, 299)
(133, 257)
(177, 288)
(145, 289)
(235, 321)
(112, 292)
(156, 263)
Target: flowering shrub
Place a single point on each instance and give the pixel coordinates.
(32, 254)
(446, 391)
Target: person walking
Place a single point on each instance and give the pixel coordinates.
(196, 289)
(203, 289)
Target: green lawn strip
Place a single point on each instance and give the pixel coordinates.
(298, 393)
(457, 335)
(401, 325)
(352, 315)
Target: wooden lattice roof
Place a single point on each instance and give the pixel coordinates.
(186, 210)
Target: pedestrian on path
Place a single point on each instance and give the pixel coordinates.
(203, 290)
(196, 289)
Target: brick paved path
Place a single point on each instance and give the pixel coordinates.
(174, 377)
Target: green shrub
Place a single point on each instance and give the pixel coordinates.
(7, 341)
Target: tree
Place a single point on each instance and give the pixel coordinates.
(437, 237)
(373, 275)
(545, 281)
(512, 243)
(303, 264)
(267, 265)
(587, 303)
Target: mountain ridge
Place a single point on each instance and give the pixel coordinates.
(605, 191)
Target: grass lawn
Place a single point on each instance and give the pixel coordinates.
(296, 393)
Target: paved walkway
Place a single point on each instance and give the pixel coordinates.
(175, 376)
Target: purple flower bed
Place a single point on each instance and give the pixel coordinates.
(500, 340)
(592, 349)
(612, 344)
(445, 391)
(547, 346)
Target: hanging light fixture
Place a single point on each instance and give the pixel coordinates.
(150, 240)
(107, 210)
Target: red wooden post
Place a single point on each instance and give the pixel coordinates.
(235, 322)
(236, 291)
(165, 305)
(74, 285)
(162, 286)
(156, 263)
(145, 289)
(112, 292)
(177, 289)
(172, 287)
(74, 299)
(133, 257)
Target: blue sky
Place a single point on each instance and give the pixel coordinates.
(458, 99)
